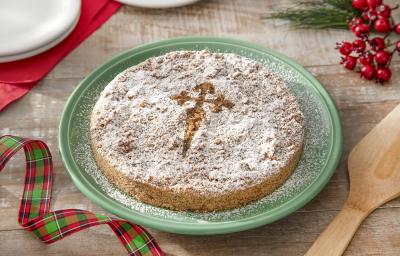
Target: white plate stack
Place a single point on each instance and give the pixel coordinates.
(30, 27)
(158, 3)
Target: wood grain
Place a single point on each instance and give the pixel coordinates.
(362, 105)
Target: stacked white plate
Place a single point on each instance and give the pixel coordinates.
(30, 27)
(158, 3)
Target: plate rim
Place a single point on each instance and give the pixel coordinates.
(112, 206)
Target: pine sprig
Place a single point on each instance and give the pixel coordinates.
(318, 14)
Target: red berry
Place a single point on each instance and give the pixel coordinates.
(366, 59)
(377, 43)
(382, 57)
(349, 62)
(354, 23)
(369, 15)
(383, 74)
(396, 29)
(398, 46)
(368, 72)
(365, 15)
(359, 45)
(361, 30)
(382, 25)
(359, 4)
(345, 48)
(378, 2)
(371, 4)
(384, 11)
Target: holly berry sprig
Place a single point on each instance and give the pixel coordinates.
(373, 54)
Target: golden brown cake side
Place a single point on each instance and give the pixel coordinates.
(191, 200)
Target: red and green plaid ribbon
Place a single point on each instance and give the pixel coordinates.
(35, 214)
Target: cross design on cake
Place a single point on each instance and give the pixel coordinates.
(196, 115)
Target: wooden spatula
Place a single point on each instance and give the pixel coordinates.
(374, 170)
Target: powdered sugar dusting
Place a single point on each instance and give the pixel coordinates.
(139, 122)
(312, 162)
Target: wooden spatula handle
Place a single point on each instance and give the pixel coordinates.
(337, 236)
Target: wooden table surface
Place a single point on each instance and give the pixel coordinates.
(361, 103)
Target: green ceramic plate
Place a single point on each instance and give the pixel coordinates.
(322, 150)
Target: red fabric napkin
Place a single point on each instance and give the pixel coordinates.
(18, 78)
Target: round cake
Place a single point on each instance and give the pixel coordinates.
(198, 131)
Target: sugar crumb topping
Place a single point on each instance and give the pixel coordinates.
(210, 122)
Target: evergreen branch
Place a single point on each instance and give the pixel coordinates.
(318, 14)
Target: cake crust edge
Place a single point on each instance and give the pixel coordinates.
(190, 200)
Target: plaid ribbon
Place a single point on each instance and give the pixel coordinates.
(35, 214)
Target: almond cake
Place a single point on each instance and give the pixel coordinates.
(197, 130)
